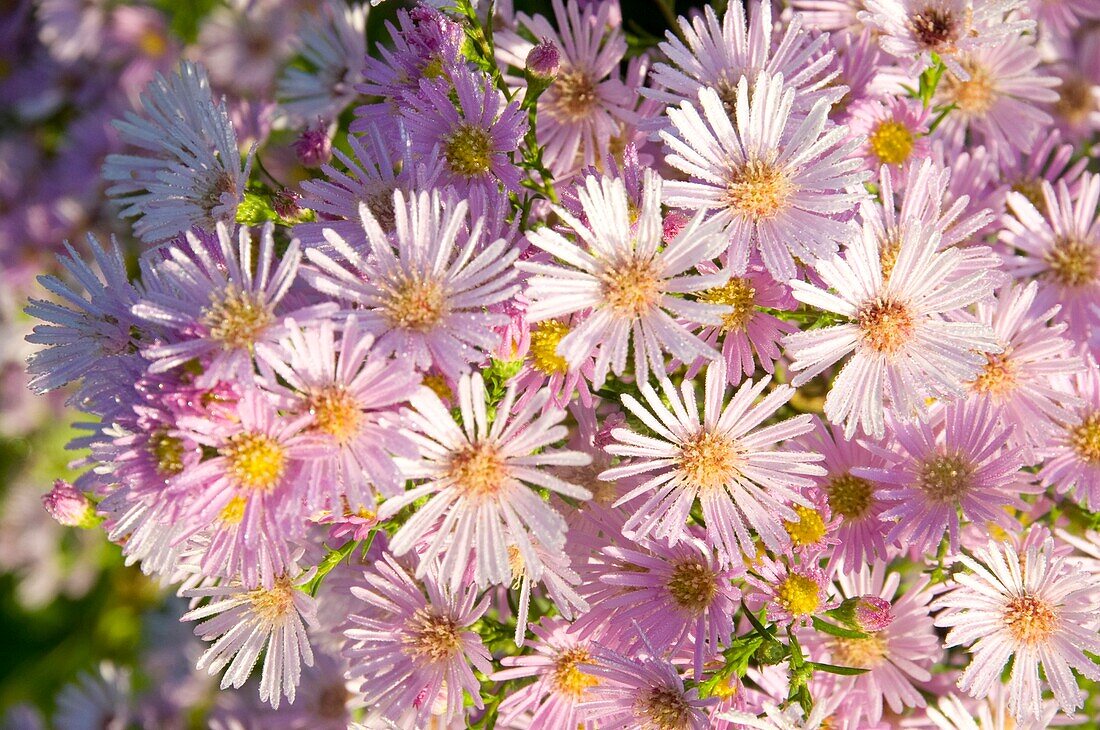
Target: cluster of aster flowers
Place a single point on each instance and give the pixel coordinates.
(579, 379)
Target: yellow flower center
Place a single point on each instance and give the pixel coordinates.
(272, 604)
(1030, 620)
(416, 304)
(974, 96)
(850, 496)
(152, 43)
(888, 256)
(237, 318)
(709, 461)
(758, 190)
(631, 289)
(1032, 189)
(336, 413)
(233, 511)
(432, 637)
(664, 709)
(478, 471)
(866, 653)
(167, 452)
(567, 678)
(810, 528)
(892, 142)
(885, 325)
(573, 95)
(997, 378)
(946, 478)
(1074, 263)
(468, 151)
(544, 347)
(256, 461)
(1075, 99)
(693, 586)
(740, 295)
(438, 385)
(799, 595)
(1085, 438)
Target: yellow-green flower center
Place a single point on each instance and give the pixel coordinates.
(692, 586)
(1030, 620)
(849, 496)
(431, 636)
(865, 653)
(945, 478)
(665, 709)
(468, 151)
(415, 303)
(997, 378)
(892, 142)
(1085, 438)
(632, 288)
(885, 325)
(237, 318)
(709, 460)
(740, 295)
(272, 604)
(808, 530)
(1074, 263)
(566, 676)
(758, 190)
(336, 413)
(478, 471)
(167, 452)
(799, 595)
(544, 347)
(256, 460)
(572, 96)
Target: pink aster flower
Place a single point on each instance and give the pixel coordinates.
(856, 502)
(717, 54)
(191, 173)
(965, 464)
(561, 685)
(641, 692)
(724, 460)
(1035, 608)
(627, 279)
(893, 133)
(218, 303)
(543, 367)
(587, 103)
(773, 182)
(476, 138)
(915, 29)
(351, 393)
(998, 99)
(904, 350)
(244, 622)
(249, 496)
(1022, 382)
(791, 594)
(897, 657)
(830, 16)
(411, 653)
(87, 333)
(954, 713)
(748, 334)
(1073, 452)
(1060, 249)
(675, 596)
(423, 293)
(481, 478)
(1051, 159)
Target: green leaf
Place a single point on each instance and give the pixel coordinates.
(832, 629)
(834, 669)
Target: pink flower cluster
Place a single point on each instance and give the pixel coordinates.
(591, 381)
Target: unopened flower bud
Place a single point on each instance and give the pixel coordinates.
(285, 203)
(68, 506)
(314, 147)
(872, 613)
(543, 60)
(674, 223)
